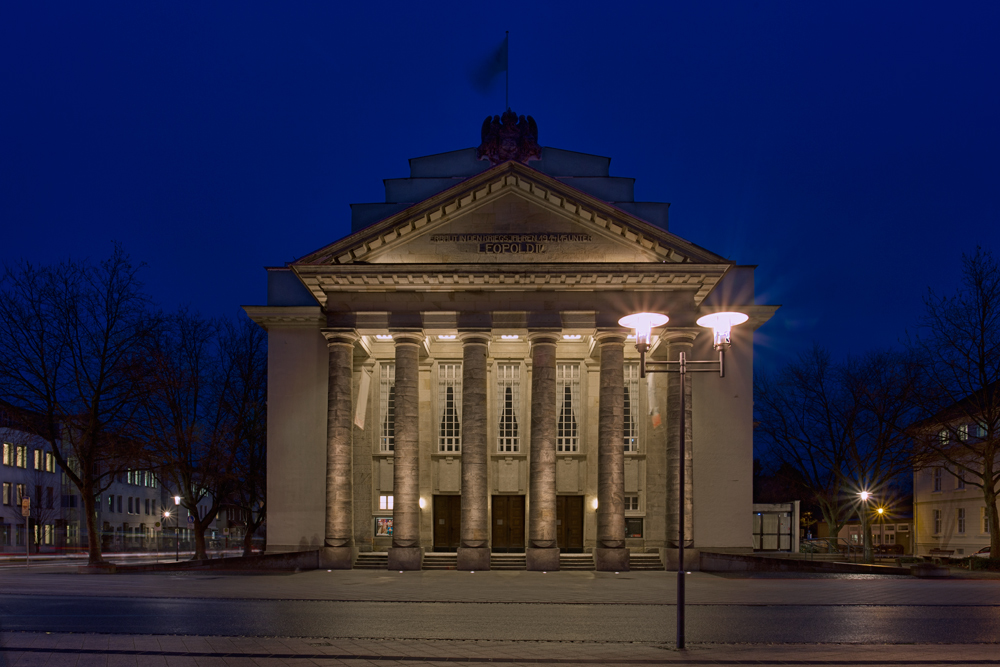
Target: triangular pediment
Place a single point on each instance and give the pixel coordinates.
(510, 214)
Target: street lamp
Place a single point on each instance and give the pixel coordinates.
(881, 528)
(865, 544)
(721, 325)
(177, 525)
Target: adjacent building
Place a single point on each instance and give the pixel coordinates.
(452, 376)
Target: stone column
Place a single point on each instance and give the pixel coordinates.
(543, 549)
(611, 554)
(677, 342)
(405, 553)
(474, 552)
(338, 544)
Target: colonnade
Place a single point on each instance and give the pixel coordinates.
(542, 552)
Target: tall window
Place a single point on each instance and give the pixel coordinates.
(961, 519)
(450, 407)
(508, 400)
(984, 521)
(8, 454)
(963, 432)
(959, 479)
(937, 522)
(6, 493)
(387, 406)
(38, 459)
(630, 434)
(937, 479)
(567, 407)
(22, 456)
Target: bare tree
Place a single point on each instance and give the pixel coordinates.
(70, 339)
(186, 430)
(841, 427)
(959, 345)
(243, 346)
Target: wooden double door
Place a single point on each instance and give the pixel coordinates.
(447, 523)
(569, 523)
(508, 524)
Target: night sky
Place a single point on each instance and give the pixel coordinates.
(850, 152)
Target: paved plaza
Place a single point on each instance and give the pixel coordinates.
(52, 616)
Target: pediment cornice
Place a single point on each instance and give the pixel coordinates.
(591, 213)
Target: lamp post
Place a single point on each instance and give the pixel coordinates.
(721, 325)
(881, 528)
(865, 543)
(177, 526)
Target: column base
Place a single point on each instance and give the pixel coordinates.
(541, 560)
(336, 558)
(406, 558)
(692, 559)
(611, 560)
(473, 558)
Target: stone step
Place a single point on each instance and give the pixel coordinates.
(645, 562)
(576, 562)
(440, 561)
(507, 562)
(372, 561)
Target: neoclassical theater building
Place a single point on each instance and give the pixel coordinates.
(452, 377)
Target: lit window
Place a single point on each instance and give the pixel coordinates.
(387, 406)
(38, 459)
(22, 456)
(385, 501)
(450, 407)
(963, 432)
(508, 398)
(6, 493)
(567, 407)
(8, 454)
(630, 432)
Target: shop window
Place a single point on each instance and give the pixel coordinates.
(633, 526)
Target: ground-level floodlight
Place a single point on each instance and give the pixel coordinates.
(721, 325)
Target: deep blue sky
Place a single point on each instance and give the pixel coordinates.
(850, 152)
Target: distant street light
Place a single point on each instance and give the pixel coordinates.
(177, 526)
(721, 325)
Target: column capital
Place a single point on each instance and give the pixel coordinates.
(340, 336)
(544, 336)
(611, 336)
(407, 336)
(475, 336)
(682, 338)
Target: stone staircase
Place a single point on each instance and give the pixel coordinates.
(372, 560)
(434, 560)
(638, 561)
(576, 562)
(507, 562)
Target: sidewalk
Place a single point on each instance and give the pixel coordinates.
(24, 649)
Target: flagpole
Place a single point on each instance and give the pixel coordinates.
(507, 72)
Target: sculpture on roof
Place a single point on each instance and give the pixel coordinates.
(509, 137)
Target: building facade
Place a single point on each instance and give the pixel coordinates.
(452, 376)
(949, 514)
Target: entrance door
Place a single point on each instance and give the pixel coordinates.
(508, 523)
(447, 523)
(569, 523)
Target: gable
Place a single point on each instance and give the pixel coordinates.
(510, 214)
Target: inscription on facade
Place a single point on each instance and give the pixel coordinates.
(497, 244)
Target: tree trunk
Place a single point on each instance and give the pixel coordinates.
(199, 537)
(248, 541)
(93, 536)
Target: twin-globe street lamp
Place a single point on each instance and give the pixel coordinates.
(721, 325)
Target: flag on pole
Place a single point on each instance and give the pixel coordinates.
(490, 67)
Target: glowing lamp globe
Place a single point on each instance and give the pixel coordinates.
(643, 324)
(721, 325)
(864, 496)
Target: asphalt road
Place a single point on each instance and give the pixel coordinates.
(724, 623)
